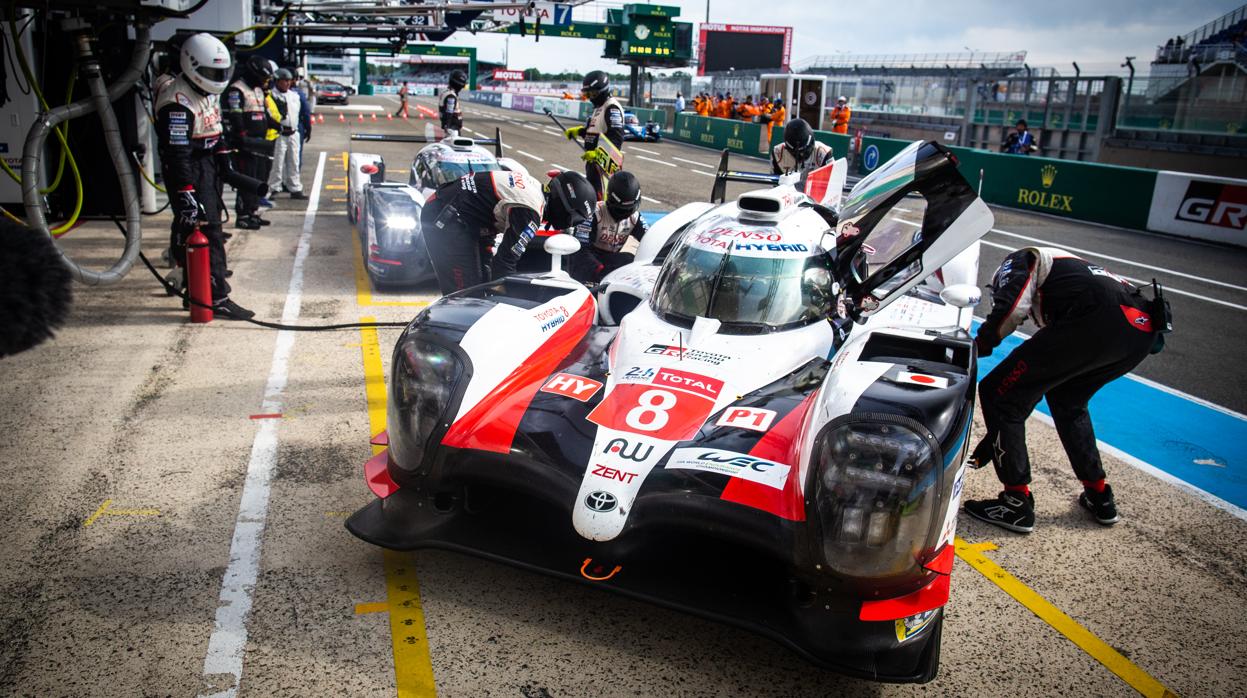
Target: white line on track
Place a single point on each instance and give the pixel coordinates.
(228, 642)
(531, 156)
(552, 132)
(1140, 265)
(690, 162)
(557, 166)
(639, 149)
(660, 162)
(702, 172)
(530, 126)
(652, 200)
(1168, 289)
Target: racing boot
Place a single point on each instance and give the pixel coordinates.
(1101, 505)
(1009, 510)
(230, 310)
(246, 223)
(297, 195)
(255, 218)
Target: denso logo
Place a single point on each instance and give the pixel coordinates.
(1212, 203)
(631, 450)
(692, 382)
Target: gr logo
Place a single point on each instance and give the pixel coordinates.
(1213, 203)
(632, 451)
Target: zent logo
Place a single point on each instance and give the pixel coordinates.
(747, 418)
(614, 474)
(574, 387)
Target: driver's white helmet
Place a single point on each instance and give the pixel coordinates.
(206, 63)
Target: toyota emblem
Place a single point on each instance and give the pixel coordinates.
(601, 502)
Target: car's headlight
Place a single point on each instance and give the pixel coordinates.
(425, 378)
(401, 222)
(876, 494)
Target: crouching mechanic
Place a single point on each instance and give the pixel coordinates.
(602, 238)
(1094, 327)
(194, 159)
(799, 152)
(463, 218)
(606, 121)
(448, 109)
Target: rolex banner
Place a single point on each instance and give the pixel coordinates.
(1207, 208)
(741, 137)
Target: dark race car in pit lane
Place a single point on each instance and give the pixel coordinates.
(387, 214)
(762, 420)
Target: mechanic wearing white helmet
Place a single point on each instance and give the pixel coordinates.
(448, 108)
(188, 130)
(286, 153)
(602, 238)
(799, 152)
(1094, 327)
(462, 219)
(606, 121)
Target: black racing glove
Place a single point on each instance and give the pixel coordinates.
(983, 344)
(307, 135)
(186, 208)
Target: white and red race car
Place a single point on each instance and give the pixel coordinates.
(763, 420)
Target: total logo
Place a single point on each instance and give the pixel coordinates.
(692, 382)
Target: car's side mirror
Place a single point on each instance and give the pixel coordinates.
(963, 297)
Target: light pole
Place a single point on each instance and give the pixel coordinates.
(1129, 64)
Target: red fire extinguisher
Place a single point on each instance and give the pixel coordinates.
(199, 276)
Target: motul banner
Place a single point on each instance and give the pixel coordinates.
(509, 75)
(1208, 208)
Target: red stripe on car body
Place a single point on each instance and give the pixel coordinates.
(781, 444)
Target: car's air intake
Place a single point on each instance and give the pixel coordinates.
(761, 206)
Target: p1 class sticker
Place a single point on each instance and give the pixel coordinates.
(753, 418)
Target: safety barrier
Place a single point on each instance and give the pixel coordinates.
(737, 136)
(645, 116)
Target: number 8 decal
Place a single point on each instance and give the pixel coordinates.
(652, 402)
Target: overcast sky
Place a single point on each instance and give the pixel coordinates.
(1096, 33)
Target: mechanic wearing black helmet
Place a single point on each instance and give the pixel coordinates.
(1094, 327)
(606, 120)
(246, 123)
(462, 219)
(602, 238)
(193, 156)
(799, 152)
(448, 108)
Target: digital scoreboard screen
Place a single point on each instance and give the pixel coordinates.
(744, 47)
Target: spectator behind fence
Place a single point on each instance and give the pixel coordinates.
(679, 102)
(1020, 141)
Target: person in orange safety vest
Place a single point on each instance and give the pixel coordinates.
(840, 116)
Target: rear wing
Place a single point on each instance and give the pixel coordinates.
(718, 192)
(496, 141)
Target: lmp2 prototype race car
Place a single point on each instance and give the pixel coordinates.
(762, 420)
(387, 214)
(635, 131)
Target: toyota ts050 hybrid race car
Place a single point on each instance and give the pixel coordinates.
(650, 132)
(762, 420)
(387, 214)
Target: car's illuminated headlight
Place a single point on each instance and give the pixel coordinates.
(876, 494)
(401, 222)
(426, 376)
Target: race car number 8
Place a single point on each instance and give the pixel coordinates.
(651, 414)
(671, 415)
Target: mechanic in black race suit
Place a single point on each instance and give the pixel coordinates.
(602, 238)
(462, 219)
(448, 107)
(247, 121)
(194, 157)
(799, 152)
(1094, 327)
(606, 121)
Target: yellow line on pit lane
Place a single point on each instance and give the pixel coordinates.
(1101, 651)
(413, 670)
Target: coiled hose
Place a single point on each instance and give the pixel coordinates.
(100, 100)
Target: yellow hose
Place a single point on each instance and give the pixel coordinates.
(73, 164)
(280, 18)
(149, 180)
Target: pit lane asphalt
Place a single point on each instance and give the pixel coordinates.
(133, 407)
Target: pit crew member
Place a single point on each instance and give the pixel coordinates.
(602, 239)
(463, 218)
(246, 123)
(448, 108)
(1094, 327)
(285, 170)
(799, 152)
(606, 121)
(188, 131)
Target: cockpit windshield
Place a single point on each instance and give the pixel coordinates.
(446, 171)
(749, 277)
